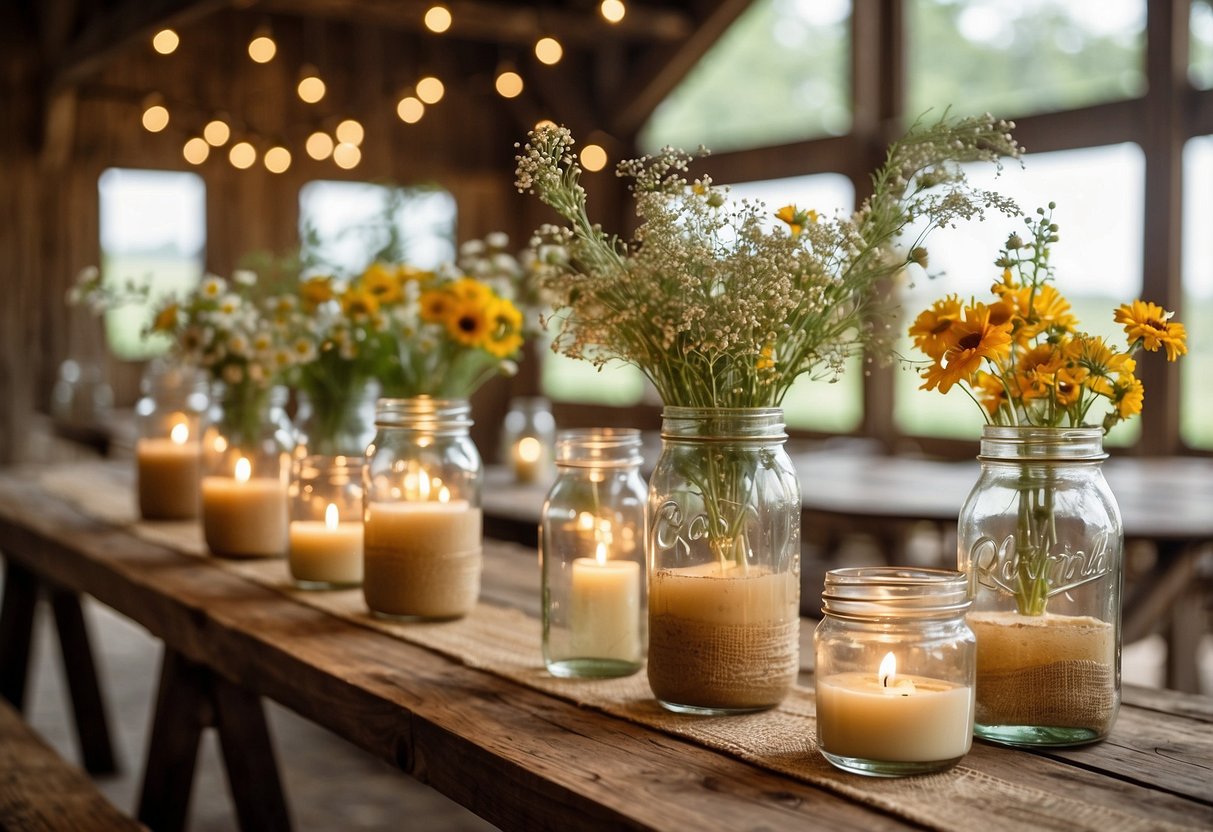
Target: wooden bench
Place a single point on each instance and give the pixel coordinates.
(39, 790)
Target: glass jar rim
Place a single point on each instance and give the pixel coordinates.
(884, 592)
(1013, 443)
(723, 424)
(423, 413)
(598, 448)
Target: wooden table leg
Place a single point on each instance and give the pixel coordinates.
(192, 698)
(16, 631)
(92, 723)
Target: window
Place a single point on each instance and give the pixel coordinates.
(1196, 368)
(153, 232)
(1200, 44)
(1099, 196)
(345, 226)
(1015, 57)
(779, 74)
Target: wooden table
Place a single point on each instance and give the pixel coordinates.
(520, 757)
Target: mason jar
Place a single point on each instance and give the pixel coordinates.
(169, 419)
(592, 556)
(422, 521)
(723, 542)
(338, 424)
(894, 671)
(528, 439)
(325, 534)
(247, 449)
(1041, 541)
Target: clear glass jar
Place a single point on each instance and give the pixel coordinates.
(421, 494)
(528, 439)
(895, 666)
(1040, 538)
(592, 556)
(336, 425)
(169, 419)
(326, 522)
(247, 451)
(723, 543)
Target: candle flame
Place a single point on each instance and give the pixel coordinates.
(423, 485)
(330, 517)
(600, 554)
(244, 470)
(888, 670)
(180, 433)
(529, 449)
(585, 521)
(444, 494)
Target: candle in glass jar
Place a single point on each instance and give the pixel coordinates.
(326, 551)
(167, 471)
(604, 608)
(528, 459)
(243, 515)
(884, 717)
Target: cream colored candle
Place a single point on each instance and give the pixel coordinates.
(422, 558)
(326, 551)
(528, 459)
(244, 516)
(882, 717)
(604, 609)
(167, 471)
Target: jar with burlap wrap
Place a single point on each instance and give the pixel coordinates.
(723, 549)
(1040, 538)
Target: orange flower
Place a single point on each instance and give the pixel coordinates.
(970, 342)
(795, 218)
(1151, 327)
(383, 282)
(931, 326)
(315, 291)
(467, 323)
(436, 305)
(1038, 309)
(1101, 361)
(1128, 395)
(990, 391)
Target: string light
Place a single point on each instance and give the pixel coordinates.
(319, 145)
(262, 47)
(430, 90)
(277, 159)
(544, 122)
(242, 155)
(165, 41)
(155, 115)
(593, 157)
(311, 87)
(410, 109)
(509, 84)
(612, 10)
(549, 51)
(196, 151)
(216, 133)
(347, 156)
(350, 132)
(438, 19)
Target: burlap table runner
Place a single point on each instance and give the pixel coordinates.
(507, 642)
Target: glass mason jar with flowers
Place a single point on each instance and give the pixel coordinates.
(1040, 534)
(722, 312)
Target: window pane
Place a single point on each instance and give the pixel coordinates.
(572, 380)
(1200, 44)
(835, 407)
(345, 226)
(1015, 57)
(153, 231)
(779, 74)
(1196, 368)
(1099, 196)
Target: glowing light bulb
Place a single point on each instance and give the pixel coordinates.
(430, 89)
(593, 158)
(216, 133)
(347, 156)
(438, 19)
(350, 132)
(262, 48)
(196, 151)
(319, 145)
(311, 88)
(242, 155)
(549, 51)
(165, 41)
(509, 84)
(277, 159)
(155, 118)
(410, 109)
(612, 11)
(529, 449)
(180, 433)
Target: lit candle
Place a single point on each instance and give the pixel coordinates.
(422, 557)
(887, 718)
(604, 608)
(243, 515)
(528, 459)
(167, 471)
(326, 552)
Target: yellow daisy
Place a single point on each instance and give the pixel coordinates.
(468, 323)
(1150, 326)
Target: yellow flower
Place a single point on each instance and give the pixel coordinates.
(970, 342)
(505, 329)
(766, 358)
(383, 282)
(932, 325)
(406, 274)
(166, 319)
(990, 391)
(470, 289)
(358, 305)
(1150, 325)
(315, 291)
(1038, 308)
(1128, 395)
(795, 218)
(1101, 361)
(436, 305)
(1035, 374)
(468, 322)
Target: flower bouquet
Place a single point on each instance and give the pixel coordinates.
(721, 311)
(1040, 535)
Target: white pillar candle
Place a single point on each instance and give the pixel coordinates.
(327, 551)
(245, 516)
(604, 608)
(167, 471)
(888, 718)
(422, 558)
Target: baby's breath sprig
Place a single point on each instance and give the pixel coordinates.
(717, 308)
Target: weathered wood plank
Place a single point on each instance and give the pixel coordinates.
(88, 705)
(40, 792)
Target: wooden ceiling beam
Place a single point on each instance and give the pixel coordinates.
(515, 24)
(664, 66)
